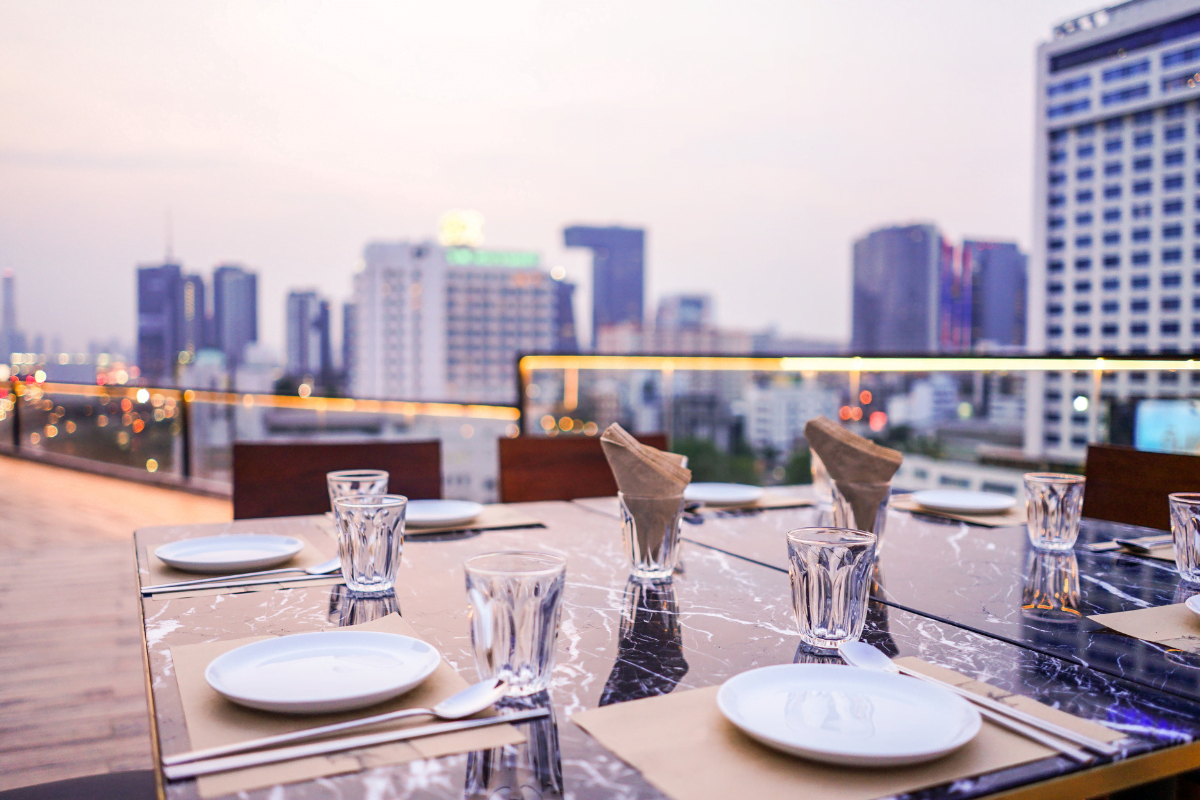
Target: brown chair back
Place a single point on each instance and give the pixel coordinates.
(1131, 486)
(288, 479)
(559, 468)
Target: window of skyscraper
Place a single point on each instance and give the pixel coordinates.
(1143, 163)
(1172, 231)
(1084, 218)
(1066, 109)
(1111, 284)
(1110, 307)
(1083, 330)
(1174, 111)
(1054, 288)
(1083, 286)
(1140, 258)
(1139, 329)
(1109, 330)
(1054, 330)
(1114, 123)
(1173, 206)
(1112, 192)
(1143, 118)
(1112, 237)
(1171, 279)
(1175, 133)
(1083, 196)
(1172, 256)
(1056, 200)
(1142, 187)
(1184, 56)
(1054, 310)
(1083, 308)
(1172, 183)
(1082, 264)
(1083, 240)
(1110, 146)
(1141, 234)
(1083, 174)
(1140, 211)
(1169, 304)
(1126, 71)
(1112, 261)
(1055, 266)
(1112, 215)
(1113, 168)
(1140, 306)
(1169, 328)
(1173, 158)
(1139, 282)
(1143, 139)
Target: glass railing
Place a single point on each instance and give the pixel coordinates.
(966, 422)
(962, 422)
(185, 437)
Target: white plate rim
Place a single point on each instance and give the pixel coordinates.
(729, 687)
(996, 508)
(752, 494)
(345, 701)
(1193, 604)
(289, 545)
(476, 510)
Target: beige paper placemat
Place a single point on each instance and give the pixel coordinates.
(1171, 626)
(318, 547)
(1014, 516)
(683, 745)
(212, 721)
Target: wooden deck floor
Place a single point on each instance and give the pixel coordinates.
(72, 697)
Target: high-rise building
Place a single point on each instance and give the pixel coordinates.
(997, 275)
(196, 321)
(309, 349)
(160, 321)
(1116, 219)
(618, 272)
(349, 339)
(685, 312)
(566, 339)
(235, 312)
(447, 323)
(11, 338)
(897, 286)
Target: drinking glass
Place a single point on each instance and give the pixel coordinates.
(830, 570)
(650, 529)
(822, 487)
(1051, 590)
(1053, 502)
(348, 482)
(1185, 531)
(370, 540)
(516, 601)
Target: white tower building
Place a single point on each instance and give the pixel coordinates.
(447, 323)
(1116, 210)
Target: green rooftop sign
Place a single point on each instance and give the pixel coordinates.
(470, 257)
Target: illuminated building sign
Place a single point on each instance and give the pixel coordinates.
(470, 257)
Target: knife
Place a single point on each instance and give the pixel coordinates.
(212, 765)
(149, 591)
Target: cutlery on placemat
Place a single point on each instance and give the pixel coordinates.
(472, 700)
(321, 570)
(865, 656)
(227, 763)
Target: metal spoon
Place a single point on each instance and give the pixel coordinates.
(865, 656)
(470, 700)
(324, 568)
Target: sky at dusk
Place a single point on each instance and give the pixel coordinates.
(754, 141)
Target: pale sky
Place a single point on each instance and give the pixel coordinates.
(753, 141)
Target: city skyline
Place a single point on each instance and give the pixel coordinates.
(225, 133)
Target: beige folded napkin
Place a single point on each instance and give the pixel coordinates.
(1014, 516)
(212, 721)
(683, 745)
(642, 470)
(1173, 626)
(860, 469)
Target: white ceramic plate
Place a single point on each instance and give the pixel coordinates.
(431, 513)
(237, 552)
(316, 673)
(722, 494)
(964, 502)
(1193, 604)
(845, 715)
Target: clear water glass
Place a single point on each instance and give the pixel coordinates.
(516, 602)
(1051, 590)
(349, 482)
(1185, 531)
(1053, 502)
(650, 528)
(830, 570)
(370, 540)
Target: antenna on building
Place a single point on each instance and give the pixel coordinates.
(170, 237)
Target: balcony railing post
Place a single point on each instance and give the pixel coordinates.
(185, 433)
(16, 414)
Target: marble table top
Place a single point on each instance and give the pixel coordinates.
(621, 640)
(992, 581)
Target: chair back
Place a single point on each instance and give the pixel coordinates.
(272, 479)
(1131, 486)
(558, 468)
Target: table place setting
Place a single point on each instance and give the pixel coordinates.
(725, 497)
(987, 509)
(860, 474)
(238, 692)
(453, 516)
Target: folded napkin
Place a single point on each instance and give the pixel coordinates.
(641, 470)
(860, 469)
